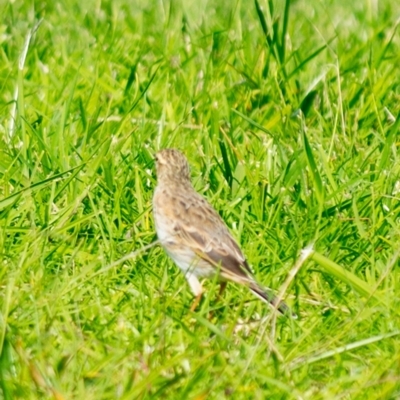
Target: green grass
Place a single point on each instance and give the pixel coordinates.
(289, 115)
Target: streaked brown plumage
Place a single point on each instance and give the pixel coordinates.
(193, 234)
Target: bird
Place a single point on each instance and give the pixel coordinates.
(195, 236)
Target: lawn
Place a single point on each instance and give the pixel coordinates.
(289, 115)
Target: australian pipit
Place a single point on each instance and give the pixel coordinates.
(194, 235)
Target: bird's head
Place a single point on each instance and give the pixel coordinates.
(171, 164)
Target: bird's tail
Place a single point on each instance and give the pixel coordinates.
(267, 296)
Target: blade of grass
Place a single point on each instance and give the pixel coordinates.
(254, 123)
(319, 189)
(310, 57)
(35, 186)
(345, 276)
(284, 31)
(342, 349)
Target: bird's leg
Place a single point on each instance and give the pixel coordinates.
(196, 302)
(222, 287)
(197, 290)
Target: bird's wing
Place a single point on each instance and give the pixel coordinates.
(201, 228)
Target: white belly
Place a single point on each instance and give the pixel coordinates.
(183, 256)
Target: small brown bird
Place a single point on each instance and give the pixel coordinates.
(194, 235)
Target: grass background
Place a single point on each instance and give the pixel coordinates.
(288, 113)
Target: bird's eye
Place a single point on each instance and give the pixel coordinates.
(156, 158)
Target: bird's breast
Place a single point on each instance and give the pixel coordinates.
(163, 215)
